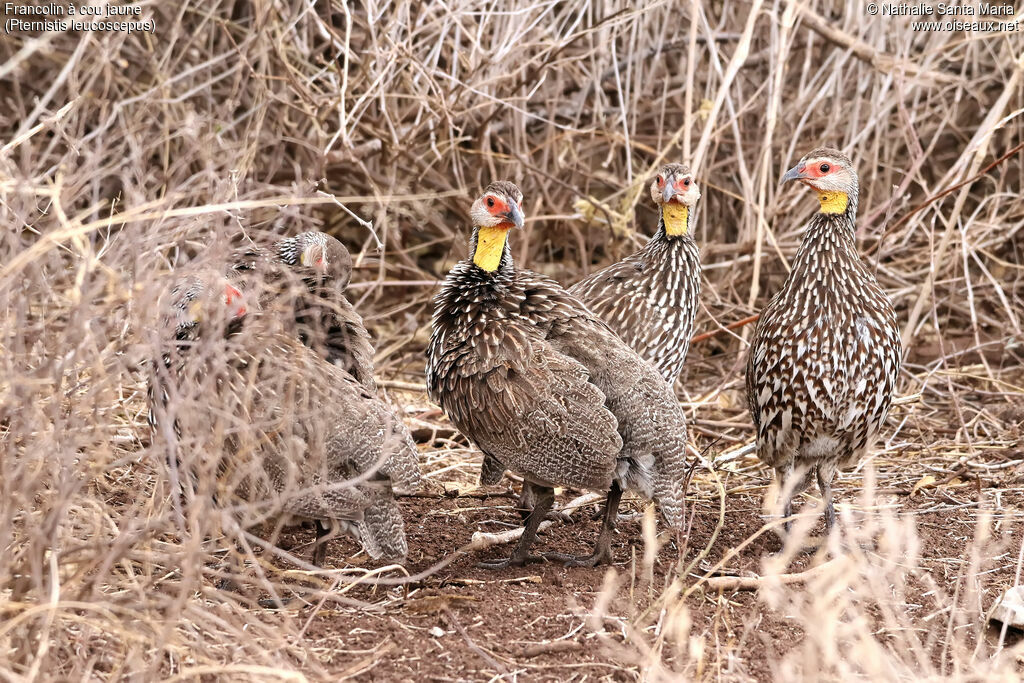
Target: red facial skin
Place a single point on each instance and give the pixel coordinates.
(815, 170)
(230, 296)
(320, 261)
(811, 172)
(680, 186)
(499, 207)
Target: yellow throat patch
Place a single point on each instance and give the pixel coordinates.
(490, 244)
(675, 217)
(833, 202)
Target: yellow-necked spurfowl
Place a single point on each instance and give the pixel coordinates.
(824, 358)
(650, 298)
(545, 388)
(265, 425)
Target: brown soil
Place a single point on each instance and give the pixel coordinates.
(536, 623)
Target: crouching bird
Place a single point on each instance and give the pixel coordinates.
(650, 298)
(546, 389)
(826, 352)
(259, 424)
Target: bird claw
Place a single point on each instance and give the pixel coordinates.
(510, 562)
(273, 603)
(559, 516)
(593, 560)
(551, 516)
(229, 585)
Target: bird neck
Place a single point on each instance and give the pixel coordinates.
(288, 250)
(829, 243)
(675, 219)
(834, 202)
(489, 246)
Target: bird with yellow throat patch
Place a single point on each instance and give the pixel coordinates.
(650, 298)
(824, 359)
(546, 389)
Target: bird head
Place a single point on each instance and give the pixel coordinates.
(233, 303)
(209, 299)
(675, 192)
(500, 206)
(319, 252)
(830, 173)
(498, 210)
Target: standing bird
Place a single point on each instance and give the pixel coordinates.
(823, 362)
(650, 298)
(269, 428)
(546, 389)
(325, 320)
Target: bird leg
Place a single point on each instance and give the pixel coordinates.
(235, 566)
(323, 534)
(545, 497)
(825, 486)
(602, 553)
(791, 488)
(528, 500)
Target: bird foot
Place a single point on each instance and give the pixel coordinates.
(273, 603)
(510, 562)
(558, 516)
(595, 559)
(229, 585)
(552, 516)
(622, 516)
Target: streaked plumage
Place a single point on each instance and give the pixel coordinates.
(824, 359)
(545, 388)
(266, 426)
(325, 320)
(651, 297)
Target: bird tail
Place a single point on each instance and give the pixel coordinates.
(402, 463)
(670, 482)
(382, 531)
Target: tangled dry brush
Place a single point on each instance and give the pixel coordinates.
(128, 157)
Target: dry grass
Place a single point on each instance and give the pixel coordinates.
(126, 157)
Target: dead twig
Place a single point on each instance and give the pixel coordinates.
(753, 583)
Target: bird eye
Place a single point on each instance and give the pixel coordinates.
(490, 201)
(661, 181)
(824, 168)
(686, 182)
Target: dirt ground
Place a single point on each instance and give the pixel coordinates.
(537, 623)
(547, 622)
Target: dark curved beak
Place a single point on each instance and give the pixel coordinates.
(514, 215)
(795, 173)
(670, 190)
